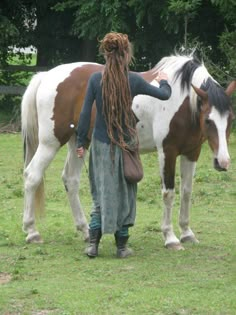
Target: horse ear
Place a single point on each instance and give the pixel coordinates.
(231, 88)
(200, 92)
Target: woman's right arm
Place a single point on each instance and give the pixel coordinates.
(163, 92)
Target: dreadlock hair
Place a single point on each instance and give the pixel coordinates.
(116, 95)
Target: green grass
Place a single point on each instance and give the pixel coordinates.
(57, 278)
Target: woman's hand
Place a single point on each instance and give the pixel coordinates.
(80, 152)
(161, 76)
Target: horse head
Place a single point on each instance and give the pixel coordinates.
(216, 116)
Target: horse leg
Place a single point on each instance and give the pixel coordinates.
(71, 179)
(167, 171)
(33, 175)
(187, 169)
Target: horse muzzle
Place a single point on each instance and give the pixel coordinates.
(221, 166)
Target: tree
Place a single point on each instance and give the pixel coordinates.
(227, 39)
(140, 20)
(54, 38)
(68, 30)
(16, 21)
(65, 31)
(157, 28)
(32, 22)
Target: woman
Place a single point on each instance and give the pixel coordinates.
(114, 199)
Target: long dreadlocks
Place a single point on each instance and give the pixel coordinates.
(117, 100)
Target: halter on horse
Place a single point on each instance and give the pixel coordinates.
(198, 110)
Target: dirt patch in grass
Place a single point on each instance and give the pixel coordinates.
(4, 278)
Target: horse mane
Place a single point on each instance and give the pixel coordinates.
(216, 95)
(185, 73)
(184, 68)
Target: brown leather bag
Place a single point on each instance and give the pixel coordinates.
(133, 169)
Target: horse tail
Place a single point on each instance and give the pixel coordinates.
(29, 129)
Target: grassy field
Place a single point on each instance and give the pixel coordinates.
(56, 278)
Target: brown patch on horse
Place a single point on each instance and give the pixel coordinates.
(184, 138)
(69, 101)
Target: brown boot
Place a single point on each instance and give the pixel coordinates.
(122, 250)
(94, 239)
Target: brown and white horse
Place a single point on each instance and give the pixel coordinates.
(198, 110)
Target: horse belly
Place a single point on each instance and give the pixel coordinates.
(145, 135)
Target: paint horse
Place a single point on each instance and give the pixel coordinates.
(198, 110)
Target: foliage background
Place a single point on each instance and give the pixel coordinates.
(65, 31)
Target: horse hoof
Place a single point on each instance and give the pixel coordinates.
(34, 238)
(85, 230)
(189, 239)
(174, 246)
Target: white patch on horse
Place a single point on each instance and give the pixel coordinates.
(221, 124)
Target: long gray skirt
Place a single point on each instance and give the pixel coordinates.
(113, 197)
